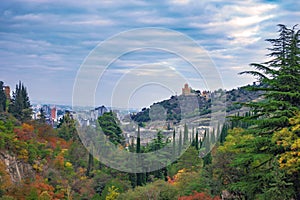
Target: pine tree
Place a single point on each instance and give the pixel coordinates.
(2, 98)
(20, 106)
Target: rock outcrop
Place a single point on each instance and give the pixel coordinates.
(17, 168)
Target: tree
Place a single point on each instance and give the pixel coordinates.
(109, 125)
(185, 135)
(67, 128)
(2, 98)
(42, 117)
(139, 176)
(258, 157)
(197, 140)
(174, 145)
(180, 144)
(20, 105)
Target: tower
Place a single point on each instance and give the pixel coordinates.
(186, 90)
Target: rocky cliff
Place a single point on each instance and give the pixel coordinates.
(17, 168)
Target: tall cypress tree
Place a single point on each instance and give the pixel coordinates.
(139, 176)
(185, 135)
(174, 145)
(180, 143)
(197, 140)
(2, 98)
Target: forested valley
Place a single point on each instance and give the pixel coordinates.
(257, 155)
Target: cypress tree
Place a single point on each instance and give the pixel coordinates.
(2, 98)
(197, 140)
(180, 143)
(90, 167)
(139, 176)
(174, 145)
(185, 135)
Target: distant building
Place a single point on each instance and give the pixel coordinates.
(97, 112)
(54, 114)
(101, 110)
(186, 90)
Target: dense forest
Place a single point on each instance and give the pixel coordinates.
(257, 155)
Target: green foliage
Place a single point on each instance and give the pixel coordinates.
(67, 128)
(252, 162)
(159, 190)
(110, 127)
(20, 105)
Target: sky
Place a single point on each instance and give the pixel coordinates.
(47, 43)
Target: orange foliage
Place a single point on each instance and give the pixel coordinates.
(54, 142)
(176, 177)
(26, 132)
(5, 181)
(44, 188)
(45, 131)
(199, 196)
(59, 161)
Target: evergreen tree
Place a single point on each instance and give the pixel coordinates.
(42, 116)
(20, 106)
(110, 127)
(179, 143)
(67, 128)
(280, 83)
(192, 140)
(90, 167)
(185, 135)
(197, 140)
(174, 145)
(2, 98)
(139, 176)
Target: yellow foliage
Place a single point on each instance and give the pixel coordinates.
(290, 141)
(23, 154)
(37, 167)
(233, 138)
(27, 127)
(112, 193)
(68, 165)
(45, 196)
(63, 151)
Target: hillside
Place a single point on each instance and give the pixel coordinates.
(172, 107)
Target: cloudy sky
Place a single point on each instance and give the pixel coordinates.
(45, 43)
